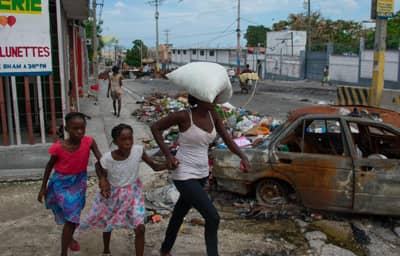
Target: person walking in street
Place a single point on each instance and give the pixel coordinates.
(122, 205)
(115, 88)
(198, 128)
(65, 193)
(325, 78)
(246, 70)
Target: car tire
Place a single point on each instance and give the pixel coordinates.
(268, 189)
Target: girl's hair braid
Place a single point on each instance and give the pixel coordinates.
(116, 131)
(73, 115)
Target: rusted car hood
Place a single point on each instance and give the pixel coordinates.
(387, 116)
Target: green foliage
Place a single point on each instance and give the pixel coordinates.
(255, 35)
(393, 34)
(344, 34)
(89, 35)
(134, 54)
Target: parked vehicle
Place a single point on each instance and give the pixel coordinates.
(327, 159)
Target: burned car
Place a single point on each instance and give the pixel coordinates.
(330, 160)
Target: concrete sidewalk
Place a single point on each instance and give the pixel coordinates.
(99, 126)
(103, 120)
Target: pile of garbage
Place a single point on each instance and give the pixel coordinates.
(277, 208)
(247, 128)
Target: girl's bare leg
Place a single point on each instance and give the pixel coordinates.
(139, 240)
(106, 242)
(66, 237)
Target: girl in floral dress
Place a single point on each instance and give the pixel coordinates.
(122, 204)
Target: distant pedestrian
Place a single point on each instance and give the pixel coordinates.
(325, 78)
(65, 193)
(115, 88)
(246, 70)
(122, 205)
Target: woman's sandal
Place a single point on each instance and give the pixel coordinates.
(74, 246)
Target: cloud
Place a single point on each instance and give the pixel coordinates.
(338, 5)
(119, 4)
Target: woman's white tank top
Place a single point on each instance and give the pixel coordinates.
(193, 152)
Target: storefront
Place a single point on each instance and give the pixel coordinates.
(43, 63)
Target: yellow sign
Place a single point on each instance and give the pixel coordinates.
(21, 6)
(385, 8)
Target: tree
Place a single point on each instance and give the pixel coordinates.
(280, 25)
(393, 34)
(89, 35)
(256, 34)
(110, 42)
(344, 34)
(134, 54)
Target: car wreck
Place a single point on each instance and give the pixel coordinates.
(341, 158)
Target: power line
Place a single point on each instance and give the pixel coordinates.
(156, 3)
(217, 37)
(200, 13)
(187, 35)
(191, 15)
(101, 11)
(252, 22)
(167, 34)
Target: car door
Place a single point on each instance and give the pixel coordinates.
(313, 154)
(377, 168)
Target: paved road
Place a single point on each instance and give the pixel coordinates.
(274, 98)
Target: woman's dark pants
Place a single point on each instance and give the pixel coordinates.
(192, 194)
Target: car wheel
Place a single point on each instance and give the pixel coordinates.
(268, 189)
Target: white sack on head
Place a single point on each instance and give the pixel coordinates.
(205, 81)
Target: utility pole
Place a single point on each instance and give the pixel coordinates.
(156, 3)
(238, 50)
(95, 64)
(167, 47)
(309, 25)
(167, 34)
(378, 68)
(308, 41)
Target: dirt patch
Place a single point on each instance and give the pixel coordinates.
(27, 228)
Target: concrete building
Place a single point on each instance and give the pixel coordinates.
(253, 56)
(287, 42)
(33, 102)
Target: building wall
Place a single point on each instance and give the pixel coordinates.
(359, 71)
(225, 57)
(289, 43)
(35, 156)
(391, 65)
(284, 66)
(343, 68)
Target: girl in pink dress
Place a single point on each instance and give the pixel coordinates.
(65, 192)
(122, 205)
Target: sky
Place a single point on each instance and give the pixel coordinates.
(211, 23)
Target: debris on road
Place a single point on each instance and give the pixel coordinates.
(162, 200)
(248, 129)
